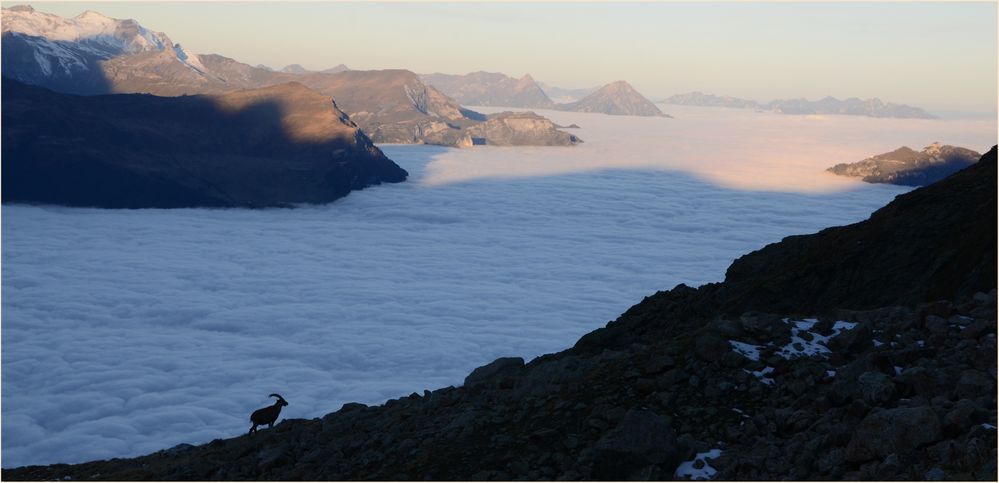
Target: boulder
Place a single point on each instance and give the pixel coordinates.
(959, 419)
(641, 439)
(855, 340)
(504, 366)
(710, 347)
(974, 383)
(892, 431)
(875, 387)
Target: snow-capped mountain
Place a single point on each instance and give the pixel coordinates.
(95, 54)
(66, 53)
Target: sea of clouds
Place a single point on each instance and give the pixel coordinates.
(129, 331)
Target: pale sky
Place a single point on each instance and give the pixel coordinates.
(939, 56)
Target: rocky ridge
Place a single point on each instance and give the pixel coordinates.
(710, 382)
(905, 166)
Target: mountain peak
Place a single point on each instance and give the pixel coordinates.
(21, 8)
(336, 68)
(294, 69)
(619, 85)
(617, 98)
(87, 14)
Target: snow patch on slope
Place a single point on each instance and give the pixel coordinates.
(805, 343)
(190, 59)
(698, 468)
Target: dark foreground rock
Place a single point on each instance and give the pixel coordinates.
(623, 414)
(685, 383)
(259, 147)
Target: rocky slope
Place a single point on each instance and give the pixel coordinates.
(729, 381)
(95, 54)
(617, 98)
(491, 89)
(395, 106)
(853, 106)
(908, 167)
(262, 147)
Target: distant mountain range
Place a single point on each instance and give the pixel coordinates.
(298, 69)
(491, 89)
(496, 89)
(828, 105)
(905, 166)
(272, 146)
(94, 54)
(561, 95)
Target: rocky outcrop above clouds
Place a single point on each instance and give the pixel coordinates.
(617, 98)
(520, 128)
(272, 146)
(905, 166)
(760, 377)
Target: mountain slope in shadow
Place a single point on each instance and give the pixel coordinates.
(262, 147)
(936, 242)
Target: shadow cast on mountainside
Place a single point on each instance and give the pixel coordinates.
(142, 151)
(66, 75)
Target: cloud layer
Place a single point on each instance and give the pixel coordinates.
(129, 331)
